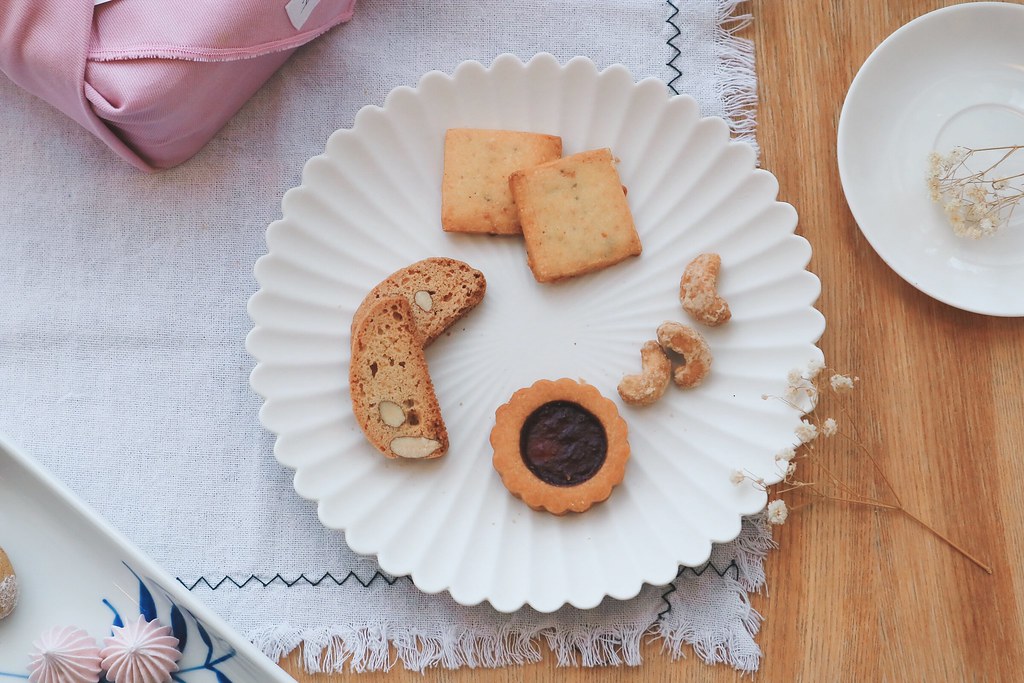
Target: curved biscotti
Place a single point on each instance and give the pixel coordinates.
(392, 396)
(439, 291)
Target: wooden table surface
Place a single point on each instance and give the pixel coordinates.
(858, 594)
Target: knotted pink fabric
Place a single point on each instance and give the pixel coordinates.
(154, 79)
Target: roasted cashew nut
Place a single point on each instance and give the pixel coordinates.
(698, 291)
(689, 344)
(650, 385)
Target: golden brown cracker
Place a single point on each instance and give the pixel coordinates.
(574, 215)
(475, 195)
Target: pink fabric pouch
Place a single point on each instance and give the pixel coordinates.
(155, 79)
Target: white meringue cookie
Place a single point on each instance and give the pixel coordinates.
(140, 652)
(64, 655)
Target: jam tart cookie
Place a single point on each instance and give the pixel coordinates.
(560, 446)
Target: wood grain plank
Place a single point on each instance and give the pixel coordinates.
(858, 594)
(861, 592)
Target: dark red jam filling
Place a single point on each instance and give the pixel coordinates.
(563, 444)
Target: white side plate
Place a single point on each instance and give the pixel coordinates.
(75, 570)
(948, 78)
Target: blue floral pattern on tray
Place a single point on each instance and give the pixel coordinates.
(203, 653)
(211, 650)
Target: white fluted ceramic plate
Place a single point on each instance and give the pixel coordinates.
(371, 204)
(949, 78)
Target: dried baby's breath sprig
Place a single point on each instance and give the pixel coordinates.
(811, 383)
(786, 454)
(807, 431)
(977, 203)
(777, 511)
(842, 383)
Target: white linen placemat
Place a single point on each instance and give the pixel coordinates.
(122, 323)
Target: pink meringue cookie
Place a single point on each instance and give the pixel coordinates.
(64, 655)
(140, 652)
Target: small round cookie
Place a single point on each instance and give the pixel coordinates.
(689, 344)
(8, 586)
(560, 446)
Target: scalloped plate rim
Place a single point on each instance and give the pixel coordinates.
(304, 187)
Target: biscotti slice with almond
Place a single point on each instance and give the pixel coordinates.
(439, 291)
(392, 396)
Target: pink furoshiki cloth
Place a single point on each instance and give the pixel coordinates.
(155, 79)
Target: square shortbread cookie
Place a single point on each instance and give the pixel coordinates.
(574, 216)
(475, 195)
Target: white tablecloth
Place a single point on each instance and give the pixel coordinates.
(122, 320)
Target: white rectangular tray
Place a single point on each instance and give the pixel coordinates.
(76, 570)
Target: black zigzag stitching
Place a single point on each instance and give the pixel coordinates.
(696, 571)
(390, 580)
(671, 43)
(699, 571)
(664, 598)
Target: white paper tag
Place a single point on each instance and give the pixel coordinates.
(299, 11)
(99, 2)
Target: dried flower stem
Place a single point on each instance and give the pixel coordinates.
(885, 506)
(976, 205)
(855, 501)
(869, 502)
(956, 546)
(899, 506)
(795, 486)
(875, 465)
(847, 490)
(808, 433)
